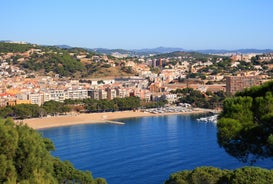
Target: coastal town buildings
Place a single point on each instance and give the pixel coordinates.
(242, 57)
(265, 57)
(155, 77)
(238, 83)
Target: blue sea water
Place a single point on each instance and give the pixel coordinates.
(144, 150)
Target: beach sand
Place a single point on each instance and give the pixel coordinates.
(91, 118)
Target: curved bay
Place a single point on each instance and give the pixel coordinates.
(144, 150)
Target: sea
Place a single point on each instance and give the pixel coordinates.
(143, 150)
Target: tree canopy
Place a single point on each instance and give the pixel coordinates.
(199, 99)
(245, 126)
(128, 103)
(62, 64)
(211, 175)
(23, 111)
(25, 158)
(14, 47)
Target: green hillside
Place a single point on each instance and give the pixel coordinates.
(14, 47)
(182, 54)
(48, 60)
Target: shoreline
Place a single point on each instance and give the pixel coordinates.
(95, 118)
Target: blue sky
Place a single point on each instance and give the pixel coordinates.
(134, 24)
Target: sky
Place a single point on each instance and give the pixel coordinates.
(136, 24)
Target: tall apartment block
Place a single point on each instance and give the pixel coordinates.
(238, 83)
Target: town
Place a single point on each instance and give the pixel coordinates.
(151, 78)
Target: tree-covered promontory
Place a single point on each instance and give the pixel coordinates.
(245, 126)
(25, 158)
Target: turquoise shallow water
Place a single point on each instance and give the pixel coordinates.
(144, 150)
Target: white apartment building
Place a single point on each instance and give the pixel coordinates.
(76, 94)
(57, 95)
(36, 98)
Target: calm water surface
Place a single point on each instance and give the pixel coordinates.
(144, 150)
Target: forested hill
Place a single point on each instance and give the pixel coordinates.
(14, 47)
(80, 62)
(25, 158)
(183, 54)
(68, 62)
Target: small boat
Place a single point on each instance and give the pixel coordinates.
(212, 119)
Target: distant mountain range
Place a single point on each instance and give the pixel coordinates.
(159, 50)
(163, 50)
(241, 51)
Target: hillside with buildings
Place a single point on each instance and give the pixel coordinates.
(36, 74)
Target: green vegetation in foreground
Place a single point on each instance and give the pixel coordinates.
(25, 158)
(245, 127)
(211, 175)
(245, 131)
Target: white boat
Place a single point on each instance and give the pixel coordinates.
(212, 119)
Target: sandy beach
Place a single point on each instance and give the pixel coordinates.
(89, 118)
